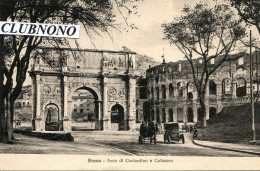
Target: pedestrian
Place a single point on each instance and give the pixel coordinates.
(191, 129)
(159, 127)
(186, 128)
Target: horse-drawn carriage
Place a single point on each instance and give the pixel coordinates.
(147, 132)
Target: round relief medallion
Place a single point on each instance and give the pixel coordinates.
(112, 91)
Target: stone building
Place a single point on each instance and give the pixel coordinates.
(172, 96)
(108, 75)
(23, 107)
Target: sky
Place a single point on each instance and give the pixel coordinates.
(147, 39)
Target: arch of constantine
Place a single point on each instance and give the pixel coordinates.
(87, 85)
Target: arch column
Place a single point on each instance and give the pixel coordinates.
(106, 116)
(98, 114)
(66, 120)
(39, 119)
(131, 104)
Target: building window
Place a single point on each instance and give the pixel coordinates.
(152, 93)
(170, 115)
(75, 110)
(157, 93)
(212, 87)
(81, 110)
(226, 86)
(163, 115)
(143, 93)
(180, 89)
(189, 90)
(163, 92)
(171, 90)
(23, 103)
(157, 80)
(157, 115)
(190, 115)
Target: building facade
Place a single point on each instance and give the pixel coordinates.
(172, 96)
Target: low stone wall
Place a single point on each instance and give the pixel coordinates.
(55, 136)
(83, 125)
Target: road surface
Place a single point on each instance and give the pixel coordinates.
(112, 143)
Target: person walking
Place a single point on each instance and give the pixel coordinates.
(191, 129)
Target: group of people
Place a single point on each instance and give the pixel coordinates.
(152, 125)
(188, 128)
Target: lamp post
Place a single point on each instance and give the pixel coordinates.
(251, 90)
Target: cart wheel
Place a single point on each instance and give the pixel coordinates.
(183, 140)
(169, 140)
(141, 139)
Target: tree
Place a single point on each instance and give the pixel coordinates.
(16, 51)
(208, 33)
(249, 11)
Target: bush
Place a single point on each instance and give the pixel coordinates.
(47, 136)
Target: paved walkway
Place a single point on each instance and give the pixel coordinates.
(251, 149)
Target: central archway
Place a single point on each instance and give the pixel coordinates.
(117, 117)
(85, 113)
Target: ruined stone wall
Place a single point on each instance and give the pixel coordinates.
(173, 95)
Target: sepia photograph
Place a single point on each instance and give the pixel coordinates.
(129, 84)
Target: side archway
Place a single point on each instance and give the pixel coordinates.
(52, 117)
(118, 117)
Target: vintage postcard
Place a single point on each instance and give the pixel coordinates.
(129, 85)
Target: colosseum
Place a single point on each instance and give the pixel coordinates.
(170, 95)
